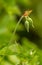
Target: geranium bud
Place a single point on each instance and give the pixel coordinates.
(27, 13)
(27, 25)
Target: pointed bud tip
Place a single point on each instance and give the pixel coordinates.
(26, 13)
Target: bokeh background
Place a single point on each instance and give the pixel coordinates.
(10, 13)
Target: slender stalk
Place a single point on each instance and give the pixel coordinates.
(15, 29)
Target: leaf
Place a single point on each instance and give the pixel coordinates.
(14, 59)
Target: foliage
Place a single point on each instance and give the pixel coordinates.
(23, 51)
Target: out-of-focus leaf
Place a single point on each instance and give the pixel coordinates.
(14, 59)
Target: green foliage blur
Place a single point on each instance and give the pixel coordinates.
(27, 50)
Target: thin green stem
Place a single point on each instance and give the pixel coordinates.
(15, 29)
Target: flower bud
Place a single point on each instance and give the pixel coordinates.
(27, 25)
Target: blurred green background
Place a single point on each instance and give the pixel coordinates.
(10, 13)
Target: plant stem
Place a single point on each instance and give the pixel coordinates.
(15, 29)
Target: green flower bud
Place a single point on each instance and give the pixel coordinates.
(30, 21)
(27, 25)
